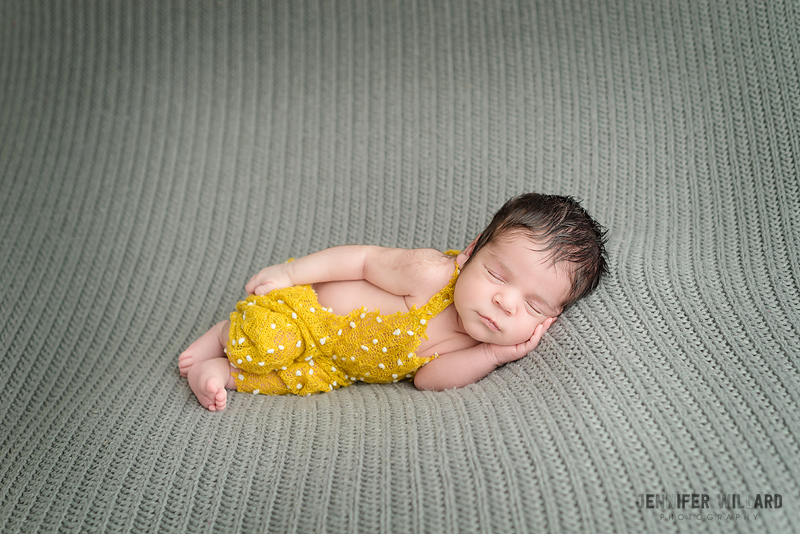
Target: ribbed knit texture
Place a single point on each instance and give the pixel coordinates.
(154, 155)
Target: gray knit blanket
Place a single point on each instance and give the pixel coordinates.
(156, 154)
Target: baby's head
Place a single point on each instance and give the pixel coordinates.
(538, 255)
(561, 229)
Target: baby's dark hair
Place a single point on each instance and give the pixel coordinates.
(564, 229)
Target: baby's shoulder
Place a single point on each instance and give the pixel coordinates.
(432, 271)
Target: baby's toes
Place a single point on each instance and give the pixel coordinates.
(221, 399)
(215, 394)
(184, 363)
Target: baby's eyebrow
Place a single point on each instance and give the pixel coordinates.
(498, 260)
(550, 309)
(502, 265)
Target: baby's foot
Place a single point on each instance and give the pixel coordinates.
(208, 381)
(206, 347)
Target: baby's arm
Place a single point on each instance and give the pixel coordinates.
(466, 366)
(394, 270)
(336, 263)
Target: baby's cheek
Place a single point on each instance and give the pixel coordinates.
(526, 331)
(516, 336)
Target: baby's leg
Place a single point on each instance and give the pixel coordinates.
(209, 345)
(209, 379)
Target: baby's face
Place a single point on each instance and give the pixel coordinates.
(507, 290)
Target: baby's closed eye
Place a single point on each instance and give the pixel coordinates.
(495, 275)
(533, 307)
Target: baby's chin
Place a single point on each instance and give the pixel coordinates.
(481, 334)
(498, 338)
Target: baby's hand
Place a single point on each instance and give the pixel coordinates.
(269, 279)
(509, 353)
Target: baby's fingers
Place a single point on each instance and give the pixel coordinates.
(533, 342)
(251, 286)
(261, 283)
(263, 289)
(253, 283)
(269, 279)
(539, 332)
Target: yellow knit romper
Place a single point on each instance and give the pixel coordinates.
(286, 342)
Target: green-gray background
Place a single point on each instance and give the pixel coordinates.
(154, 155)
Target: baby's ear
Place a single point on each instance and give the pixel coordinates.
(471, 246)
(466, 253)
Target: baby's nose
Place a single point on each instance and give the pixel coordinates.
(504, 302)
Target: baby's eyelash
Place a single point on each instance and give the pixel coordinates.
(534, 308)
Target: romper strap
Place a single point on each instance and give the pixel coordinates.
(444, 297)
